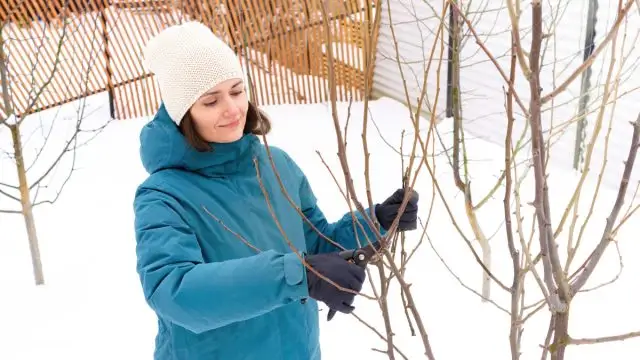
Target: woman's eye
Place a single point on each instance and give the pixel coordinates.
(235, 93)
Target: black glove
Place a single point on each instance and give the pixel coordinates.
(347, 275)
(388, 210)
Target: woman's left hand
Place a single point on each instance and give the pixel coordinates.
(388, 210)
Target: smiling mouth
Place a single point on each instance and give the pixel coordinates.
(232, 124)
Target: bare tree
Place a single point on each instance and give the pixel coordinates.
(556, 285)
(533, 126)
(43, 148)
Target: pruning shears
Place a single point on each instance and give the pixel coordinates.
(360, 257)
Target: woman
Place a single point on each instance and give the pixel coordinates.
(215, 266)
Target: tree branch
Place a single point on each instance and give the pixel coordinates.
(514, 16)
(514, 332)
(551, 263)
(274, 216)
(606, 235)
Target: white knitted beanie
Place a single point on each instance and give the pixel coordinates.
(188, 60)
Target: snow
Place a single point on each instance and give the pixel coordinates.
(92, 306)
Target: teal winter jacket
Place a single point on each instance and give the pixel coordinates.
(213, 263)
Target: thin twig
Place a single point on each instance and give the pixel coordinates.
(240, 237)
(460, 280)
(491, 57)
(605, 339)
(377, 333)
(612, 33)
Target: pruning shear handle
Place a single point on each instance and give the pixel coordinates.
(358, 257)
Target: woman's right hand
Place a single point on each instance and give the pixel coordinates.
(342, 272)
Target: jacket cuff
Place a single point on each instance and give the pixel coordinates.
(295, 276)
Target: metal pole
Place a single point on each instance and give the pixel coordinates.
(449, 107)
(589, 46)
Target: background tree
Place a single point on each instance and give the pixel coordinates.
(41, 149)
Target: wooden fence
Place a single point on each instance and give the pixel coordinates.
(58, 51)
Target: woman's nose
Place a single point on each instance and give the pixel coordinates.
(231, 109)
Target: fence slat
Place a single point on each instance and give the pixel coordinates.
(62, 51)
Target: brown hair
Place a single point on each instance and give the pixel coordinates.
(257, 123)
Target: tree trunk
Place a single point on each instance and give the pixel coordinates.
(560, 336)
(27, 208)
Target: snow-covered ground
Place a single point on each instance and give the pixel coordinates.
(92, 306)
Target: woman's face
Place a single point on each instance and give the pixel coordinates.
(220, 114)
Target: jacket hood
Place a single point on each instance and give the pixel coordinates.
(162, 146)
